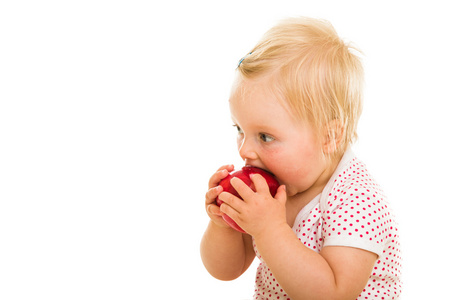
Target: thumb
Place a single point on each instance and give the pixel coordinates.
(281, 194)
(213, 209)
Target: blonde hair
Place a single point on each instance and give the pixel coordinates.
(319, 76)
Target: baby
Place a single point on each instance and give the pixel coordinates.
(329, 232)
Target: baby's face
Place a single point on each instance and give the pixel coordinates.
(269, 137)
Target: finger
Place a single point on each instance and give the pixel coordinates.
(213, 193)
(260, 183)
(221, 173)
(225, 209)
(243, 190)
(214, 210)
(216, 215)
(281, 194)
(230, 200)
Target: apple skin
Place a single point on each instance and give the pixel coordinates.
(244, 175)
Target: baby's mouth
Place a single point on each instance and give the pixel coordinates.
(251, 166)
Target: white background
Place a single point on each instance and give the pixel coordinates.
(113, 116)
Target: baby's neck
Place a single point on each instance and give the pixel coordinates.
(296, 202)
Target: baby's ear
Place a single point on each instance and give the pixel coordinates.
(333, 135)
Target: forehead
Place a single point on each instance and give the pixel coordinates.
(256, 100)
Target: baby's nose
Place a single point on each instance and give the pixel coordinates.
(247, 151)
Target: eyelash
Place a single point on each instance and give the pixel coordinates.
(239, 130)
(262, 136)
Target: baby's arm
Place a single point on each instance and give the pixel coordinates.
(226, 253)
(334, 273)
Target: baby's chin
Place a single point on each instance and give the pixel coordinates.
(290, 191)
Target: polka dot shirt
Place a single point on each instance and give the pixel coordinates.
(351, 211)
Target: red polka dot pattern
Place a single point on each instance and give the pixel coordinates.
(351, 211)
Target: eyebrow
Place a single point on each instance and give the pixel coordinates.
(261, 128)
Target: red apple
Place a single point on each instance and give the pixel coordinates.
(244, 175)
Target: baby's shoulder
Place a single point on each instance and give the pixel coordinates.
(353, 183)
(353, 176)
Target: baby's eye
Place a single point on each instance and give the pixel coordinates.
(266, 138)
(239, 130)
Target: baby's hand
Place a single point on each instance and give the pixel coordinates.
(214, 190)
(257, 211)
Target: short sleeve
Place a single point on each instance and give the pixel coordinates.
(356, 213)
